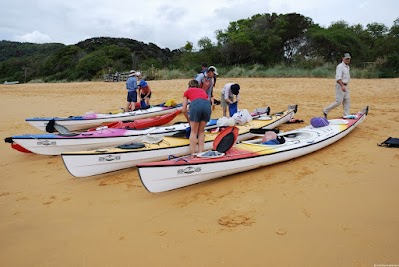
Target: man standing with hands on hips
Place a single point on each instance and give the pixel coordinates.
(342, 95)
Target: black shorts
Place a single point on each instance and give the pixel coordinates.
(142, 96)
(131, 96)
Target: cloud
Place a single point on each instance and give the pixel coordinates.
(167, 24)
(34, 37)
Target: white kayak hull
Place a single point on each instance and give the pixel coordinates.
(93, 120)
(54, 144)
(176, 173)
(83, 164)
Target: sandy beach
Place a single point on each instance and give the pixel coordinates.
(335, 207)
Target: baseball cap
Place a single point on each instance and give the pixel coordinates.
(214, 69)
(347, 55)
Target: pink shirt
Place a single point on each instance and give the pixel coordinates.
(195, 93)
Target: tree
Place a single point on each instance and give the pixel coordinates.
(205, 43)
(92, 63)
(188, 47)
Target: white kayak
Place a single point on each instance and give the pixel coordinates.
(75, 123)
(179, 172)
(55, 144)
(88, 163)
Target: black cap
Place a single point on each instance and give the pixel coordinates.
(235, 89)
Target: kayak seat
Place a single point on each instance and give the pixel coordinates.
(134, 145)
(63, 131)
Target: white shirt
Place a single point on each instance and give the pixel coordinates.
(226, 91)
(342, 73)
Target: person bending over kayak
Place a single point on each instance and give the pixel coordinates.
(200, 113)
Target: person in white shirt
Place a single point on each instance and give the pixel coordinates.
(227, 97)
(342, 77)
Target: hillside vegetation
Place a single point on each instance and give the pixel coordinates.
(264, 45)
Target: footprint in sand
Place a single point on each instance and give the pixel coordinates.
(22, 198)
(306, 213)
(161, 233)
(236, 220)
(52, 198)
(4, 194)
(281, 231)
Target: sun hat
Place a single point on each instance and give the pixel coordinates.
(143, 83)
(347, 55)
(132, 72)
(214, 69)
(235, 89)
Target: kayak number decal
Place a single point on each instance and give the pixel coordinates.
(188, 170)
(109, 158)
(46, 143)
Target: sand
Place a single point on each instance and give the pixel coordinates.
(335, 207)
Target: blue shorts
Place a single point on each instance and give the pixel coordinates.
(200, 110)
(132, 96)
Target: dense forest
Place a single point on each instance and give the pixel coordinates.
(265, 40)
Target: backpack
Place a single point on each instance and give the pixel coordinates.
(390, 142)
(205, 83)
(317, 122)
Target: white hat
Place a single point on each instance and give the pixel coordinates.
(347, 55)
(138, 73)
(132, 72)
(214, 70)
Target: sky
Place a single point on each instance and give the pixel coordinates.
(168, 24)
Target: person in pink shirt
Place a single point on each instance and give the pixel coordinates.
(199, 115)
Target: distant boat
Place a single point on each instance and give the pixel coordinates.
(15, 82)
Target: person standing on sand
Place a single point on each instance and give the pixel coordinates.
(131, 86)
(200, 113)
(206, 82)
(342, 77)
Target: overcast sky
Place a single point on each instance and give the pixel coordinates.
(168, 24)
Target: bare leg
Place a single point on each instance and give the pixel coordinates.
(201, 136)
(193, 136)
(128, 106)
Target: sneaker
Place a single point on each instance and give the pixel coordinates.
(325, 115)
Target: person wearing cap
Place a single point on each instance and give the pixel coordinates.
(227, 96)
(131, 86)
(206, 82)
(145, 92)
(342, 78)
(215, 76)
